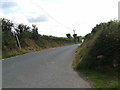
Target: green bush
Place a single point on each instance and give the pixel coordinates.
(105, 50)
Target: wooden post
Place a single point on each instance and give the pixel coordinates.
(17, 40)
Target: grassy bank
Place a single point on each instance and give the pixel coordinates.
(25, 51)
(31, 45)
(15, 36)
(99, 77)
(99, 55)
(14, 54)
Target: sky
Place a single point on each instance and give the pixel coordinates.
(59, 17)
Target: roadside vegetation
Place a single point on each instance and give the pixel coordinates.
(99, 55)
(18, 39)
(0, 40)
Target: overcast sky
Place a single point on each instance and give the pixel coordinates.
(59, 17)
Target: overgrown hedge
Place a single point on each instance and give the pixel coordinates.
(101, 48)
(26, 34)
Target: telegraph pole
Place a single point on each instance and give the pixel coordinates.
(17, 40)
(74, 31)
(119, 11)
(74, 36)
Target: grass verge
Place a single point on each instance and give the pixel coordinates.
(21, 52)
(14, 54)
(100, 78)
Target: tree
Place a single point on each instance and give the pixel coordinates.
(35, 34)
(75, 36)
(6, 25)
(21, 27)
(26, 28)
(79, 38)
(35, 29)
(69, 36)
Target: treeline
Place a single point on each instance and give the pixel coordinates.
(101, 48)
(77, 39)
(20, 37)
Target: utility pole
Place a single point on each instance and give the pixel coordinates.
(119, 11)
(74, 31)
(17, 40)
(74, 35)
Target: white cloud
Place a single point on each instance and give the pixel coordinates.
(1, 14)
(17, 18)
(6, 5)
(81, 15)
(41, 18)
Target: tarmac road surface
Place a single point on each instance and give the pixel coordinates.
(45, 69)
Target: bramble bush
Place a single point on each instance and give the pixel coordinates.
(102, 46)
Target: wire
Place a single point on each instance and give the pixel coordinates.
(38, 6)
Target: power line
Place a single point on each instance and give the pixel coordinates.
(38, 6)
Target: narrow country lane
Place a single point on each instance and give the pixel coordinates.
(46, 69)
